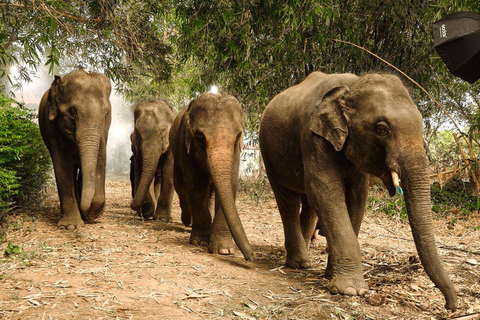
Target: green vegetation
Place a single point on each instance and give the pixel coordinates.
(454, 199)
(256, 188)
(24, 159)
(382, 202)
(11, 249)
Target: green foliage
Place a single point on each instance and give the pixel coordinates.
(379, 200)
(128, 40)
(443, 150)
(455, 197)
(11, 249)
(24, 159)
(256, 188)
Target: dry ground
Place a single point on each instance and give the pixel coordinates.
(126, 268)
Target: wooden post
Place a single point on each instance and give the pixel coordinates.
(439, 177)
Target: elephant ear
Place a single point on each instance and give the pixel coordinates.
(188, 127)
(329, 120)
(54, 98)
(188, 132)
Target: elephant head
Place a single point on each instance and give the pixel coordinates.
(214, 138)
(374, 122)
(149, 143)
(80, 105)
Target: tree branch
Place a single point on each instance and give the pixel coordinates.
(52, 9)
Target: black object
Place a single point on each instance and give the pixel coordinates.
(457, 41)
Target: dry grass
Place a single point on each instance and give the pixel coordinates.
(126, 268)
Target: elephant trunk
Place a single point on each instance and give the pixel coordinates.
(89, 146)
(222, 171)
(149, 167)
(415, 182)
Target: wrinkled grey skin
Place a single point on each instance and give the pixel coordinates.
(152, 169)
(206, 141)
(319, 140)
(74, 117)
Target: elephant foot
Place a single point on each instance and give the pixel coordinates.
(221, 244)
(147, 216)
(348, 285)
(147, 212)
(198, 242)
(298, 261)
(163, 216)
(200, 239)
(95, 211)
(186, 219)
(70, 223)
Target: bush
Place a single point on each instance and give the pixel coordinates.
(379, 200)
(454, 198)
(256, 188)
(24, 159)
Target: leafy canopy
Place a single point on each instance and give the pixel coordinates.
(251, 48)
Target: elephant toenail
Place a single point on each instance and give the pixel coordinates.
(350, 291)
(362, 292)
(334, 290)
(224, 251)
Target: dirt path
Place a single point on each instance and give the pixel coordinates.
(125, 268)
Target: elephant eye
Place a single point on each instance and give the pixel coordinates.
(72, 112)
(382, 129)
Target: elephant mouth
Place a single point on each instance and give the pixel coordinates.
(392, 182)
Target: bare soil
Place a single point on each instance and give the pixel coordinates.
(125, 268)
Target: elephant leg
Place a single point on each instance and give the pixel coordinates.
(356, 199)
(344, 267)
(308, 220)
(181, 189)
(199, 196)
(136, 176)
(221, 240)
(165, 199)
(65, 174)
(289, 206)
(132, 176)
(148, 206)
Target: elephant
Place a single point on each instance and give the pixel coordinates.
(206, 140)
(320, 139)
(74, 117)
(151, 172)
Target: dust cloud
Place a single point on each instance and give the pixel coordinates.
(118, 145)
